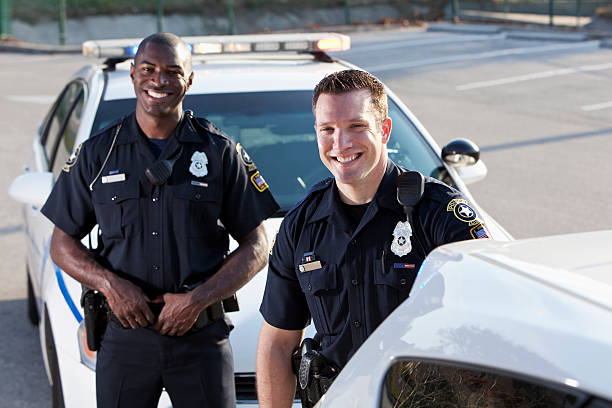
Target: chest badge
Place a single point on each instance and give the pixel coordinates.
(401, 239)
(198, 164)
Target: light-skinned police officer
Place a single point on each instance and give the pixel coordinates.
(347, 255)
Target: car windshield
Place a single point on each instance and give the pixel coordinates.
(276, 129)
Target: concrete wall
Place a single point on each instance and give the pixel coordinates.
(128, 26)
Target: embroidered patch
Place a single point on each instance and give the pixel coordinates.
(462, 210)
(72, 160)
(245, 158)
(401, 244)
(479, 232)
(259, 182)
(198, 164)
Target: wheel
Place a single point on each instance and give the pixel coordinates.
(33, 316)
(56, 386)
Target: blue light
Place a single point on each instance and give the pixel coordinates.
(131, 51)
(190, 46)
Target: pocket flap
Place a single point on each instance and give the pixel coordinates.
(196, 191)
(114, 193)
(318, 280)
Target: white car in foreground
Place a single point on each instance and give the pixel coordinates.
(526, 323)
(258, 89)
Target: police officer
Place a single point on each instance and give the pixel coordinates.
(166, 190)
(347, 255)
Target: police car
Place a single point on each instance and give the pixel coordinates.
(256, 88)
(526, 323)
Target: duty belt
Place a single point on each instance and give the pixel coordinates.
(206, 316)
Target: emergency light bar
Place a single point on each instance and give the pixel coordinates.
(228, 44)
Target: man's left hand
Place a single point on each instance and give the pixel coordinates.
(178, 315)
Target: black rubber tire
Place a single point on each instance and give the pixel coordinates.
(56, 387)
(33, 316)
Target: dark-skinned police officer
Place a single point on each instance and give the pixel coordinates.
(347, 255)
(166, 189)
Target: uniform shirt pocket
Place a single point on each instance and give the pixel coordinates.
(321, 289)
(394, 277)
(196, 209)
(116, 207)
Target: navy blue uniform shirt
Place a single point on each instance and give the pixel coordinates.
(161, 237)
(349, 280)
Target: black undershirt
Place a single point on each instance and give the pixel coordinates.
(354, 213)
(157, 145)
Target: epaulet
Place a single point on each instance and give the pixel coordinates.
(439, 190)
(205, 125)
(108, 128)
(320, 186)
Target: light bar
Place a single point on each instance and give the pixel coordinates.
(229, 44)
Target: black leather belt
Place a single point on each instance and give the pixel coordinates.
(206, 316)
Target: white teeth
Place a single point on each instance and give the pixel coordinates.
(346, 159)
(157, 94)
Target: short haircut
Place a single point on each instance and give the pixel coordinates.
(354, 80)
(169, 40)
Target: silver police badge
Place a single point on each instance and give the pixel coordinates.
(198, 164)
(401, 239)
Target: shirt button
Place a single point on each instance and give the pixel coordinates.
(113, 198)
(353, 242)
(154, 199)
(198, 196)
(357, 323)
(402, 281)
(309, 287)
(155, 267)
(155, 233)
(355, 282)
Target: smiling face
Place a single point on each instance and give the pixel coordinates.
(161, 75)
(352, 142)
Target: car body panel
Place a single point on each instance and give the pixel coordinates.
(540, 308)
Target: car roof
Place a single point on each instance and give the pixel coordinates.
(246, 74)
(540, 308)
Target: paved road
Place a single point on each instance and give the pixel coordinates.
(540, 110)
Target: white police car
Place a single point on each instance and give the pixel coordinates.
(257, 89)
(526, 323)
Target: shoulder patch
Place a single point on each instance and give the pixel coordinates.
(258, 181)
(72, 160)
(462, 211)
(245, 158)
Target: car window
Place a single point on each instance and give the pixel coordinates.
(277, 131)
(65, 143)
(54, 124)
(419, 384)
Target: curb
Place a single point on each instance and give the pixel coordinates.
(29, 48)
(511, 32)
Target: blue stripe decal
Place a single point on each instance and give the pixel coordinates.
(64, 290)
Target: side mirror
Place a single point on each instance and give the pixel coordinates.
(461, 152)
(32, 188)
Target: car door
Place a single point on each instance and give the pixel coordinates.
(51, 149)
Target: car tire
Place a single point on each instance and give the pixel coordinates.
(56, 386)
(33, 316)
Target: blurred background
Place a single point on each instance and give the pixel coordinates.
(74, 21)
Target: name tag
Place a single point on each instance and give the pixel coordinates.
(113, 179)
(311, 266)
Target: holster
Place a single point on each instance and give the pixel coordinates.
(314, 372)
(96, 311)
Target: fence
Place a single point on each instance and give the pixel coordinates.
(60, 10)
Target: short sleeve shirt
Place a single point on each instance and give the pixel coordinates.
(161, 237)
(349, 280)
